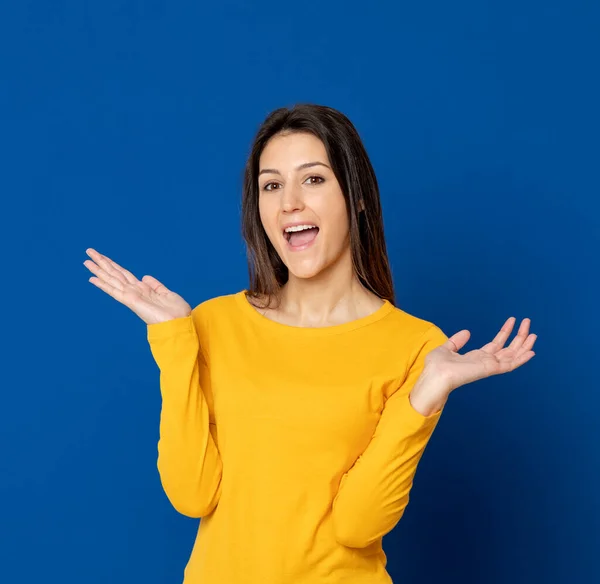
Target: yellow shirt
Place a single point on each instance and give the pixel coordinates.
(296, 446)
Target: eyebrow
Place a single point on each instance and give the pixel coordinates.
(301, 167)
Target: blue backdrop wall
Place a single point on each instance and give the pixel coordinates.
(124, 126)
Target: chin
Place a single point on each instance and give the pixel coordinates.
(303, 274)
(306, 272)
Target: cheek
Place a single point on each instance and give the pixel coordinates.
(339, 227)
(268, 217)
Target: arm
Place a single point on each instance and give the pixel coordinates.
(374, 493)
(189, 463)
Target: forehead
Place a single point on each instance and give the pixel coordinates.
(285, 150)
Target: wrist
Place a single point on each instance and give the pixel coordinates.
(429, 394)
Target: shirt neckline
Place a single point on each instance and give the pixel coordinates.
(334, 329)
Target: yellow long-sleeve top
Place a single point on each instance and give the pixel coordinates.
(296, 446)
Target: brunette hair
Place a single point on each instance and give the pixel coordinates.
(356, 177)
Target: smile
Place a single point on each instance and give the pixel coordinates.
(300, 237)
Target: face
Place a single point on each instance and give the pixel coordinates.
(301, 205)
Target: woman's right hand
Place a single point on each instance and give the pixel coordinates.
(148, 298)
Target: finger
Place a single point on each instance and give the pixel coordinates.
(522, 334)
(510, 358)
(106, 264)
(527, 345)
(106, 287)
(95, 255)
(526, 356)
(498, 341)
(111, 268)
(104, 276)
(126, 273)
(155, 285)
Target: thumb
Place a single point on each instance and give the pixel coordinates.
(156, 286)
(458, 340)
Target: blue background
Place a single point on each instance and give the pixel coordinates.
(124, 126)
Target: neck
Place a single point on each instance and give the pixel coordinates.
(333, 296)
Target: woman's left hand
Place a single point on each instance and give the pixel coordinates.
(454, 369)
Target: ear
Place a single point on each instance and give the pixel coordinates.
(361, 206)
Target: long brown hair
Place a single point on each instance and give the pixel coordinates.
(354, 172)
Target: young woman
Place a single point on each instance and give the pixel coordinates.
(294, 413)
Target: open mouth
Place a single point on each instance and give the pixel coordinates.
(300, 236)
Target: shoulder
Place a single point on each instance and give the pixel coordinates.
(217, 307)
(416, 338)
(210, 312)
(417, 332)
(217, 304)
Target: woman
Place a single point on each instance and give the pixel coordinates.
(294, 413)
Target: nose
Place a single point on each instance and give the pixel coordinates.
(291, 198)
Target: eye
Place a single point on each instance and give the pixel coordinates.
(319, 179)
(268, 185)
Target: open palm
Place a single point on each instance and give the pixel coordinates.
(151, 300)
(491, 359)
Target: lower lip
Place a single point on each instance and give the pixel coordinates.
(301, 247)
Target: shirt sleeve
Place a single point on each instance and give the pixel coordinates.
(374, 493)
(189, 463)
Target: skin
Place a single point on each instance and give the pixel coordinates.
(446, 369)
(323, 289)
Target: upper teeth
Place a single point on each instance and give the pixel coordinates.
(299, 228)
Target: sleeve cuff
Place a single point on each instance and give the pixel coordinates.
(416, 420)
(162, 330)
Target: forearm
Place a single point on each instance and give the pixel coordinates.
(374, 494)
(189, 463)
